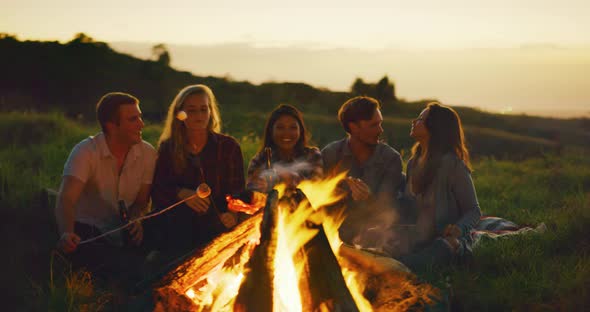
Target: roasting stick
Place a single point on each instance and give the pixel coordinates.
(204, 191)
(151, 215)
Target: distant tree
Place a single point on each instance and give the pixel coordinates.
(385, 90)
(160, 54)
(359, 87)
(81, 38)
(7, 36)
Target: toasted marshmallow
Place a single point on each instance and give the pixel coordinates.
(203, 191)
(181, 115)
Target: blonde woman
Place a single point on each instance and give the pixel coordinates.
(194, 154)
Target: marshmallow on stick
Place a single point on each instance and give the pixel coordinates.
(181, 115)
(203, 191)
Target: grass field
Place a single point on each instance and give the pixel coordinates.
(548, 271)
(536, 272)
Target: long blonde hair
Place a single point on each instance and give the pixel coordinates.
(175, 131)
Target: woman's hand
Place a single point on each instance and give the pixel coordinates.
(452, 230)
(451, 234)
(228, 219)
(359, 189)
(199, 205)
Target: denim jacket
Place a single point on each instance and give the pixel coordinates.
(454, 196)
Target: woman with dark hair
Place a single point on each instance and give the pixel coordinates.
(439, 181)
(285, 156)
(194, 155)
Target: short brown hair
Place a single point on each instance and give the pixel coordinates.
(357, 108)
(107, 108)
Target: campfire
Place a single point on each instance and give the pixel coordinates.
(288, 257)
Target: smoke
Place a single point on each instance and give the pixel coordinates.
(371, 224)
(288, 173)
(374, 226)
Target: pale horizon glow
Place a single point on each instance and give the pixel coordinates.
(429, 48)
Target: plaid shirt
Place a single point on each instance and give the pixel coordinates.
(222, 167)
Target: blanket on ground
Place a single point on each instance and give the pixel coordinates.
(495, 227)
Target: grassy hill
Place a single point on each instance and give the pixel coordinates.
(69, 78)
(47, 96)
(548, 271)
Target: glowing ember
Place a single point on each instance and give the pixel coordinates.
(238, 205)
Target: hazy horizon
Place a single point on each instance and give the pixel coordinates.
(504, 56)
(542, 80)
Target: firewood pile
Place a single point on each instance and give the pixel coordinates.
(385, 284)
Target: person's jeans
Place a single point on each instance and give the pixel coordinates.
(437, 253)
(104, 259)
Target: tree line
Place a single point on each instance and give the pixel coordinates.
(71, 77)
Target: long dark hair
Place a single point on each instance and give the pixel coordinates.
(285, 110)
(446, 136)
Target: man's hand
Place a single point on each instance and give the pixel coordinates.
(68, 242)
(228, 219)
(359, 189)
(136, 231)
(199, 205)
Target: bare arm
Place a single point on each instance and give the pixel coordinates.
(137, 209)
(142, 200)
(65, 213)
(69, 193)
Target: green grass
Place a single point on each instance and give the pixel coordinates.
(481, 141)
(545, 271)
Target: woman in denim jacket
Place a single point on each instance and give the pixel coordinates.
(440, 184)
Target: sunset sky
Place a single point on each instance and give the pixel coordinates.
(494, 55)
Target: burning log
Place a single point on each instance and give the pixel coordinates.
(210, 279)
(190, 269)
(388, 284)
(321, 284)
(256, 291)
(358, 259)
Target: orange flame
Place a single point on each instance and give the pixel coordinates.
(219, 290)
